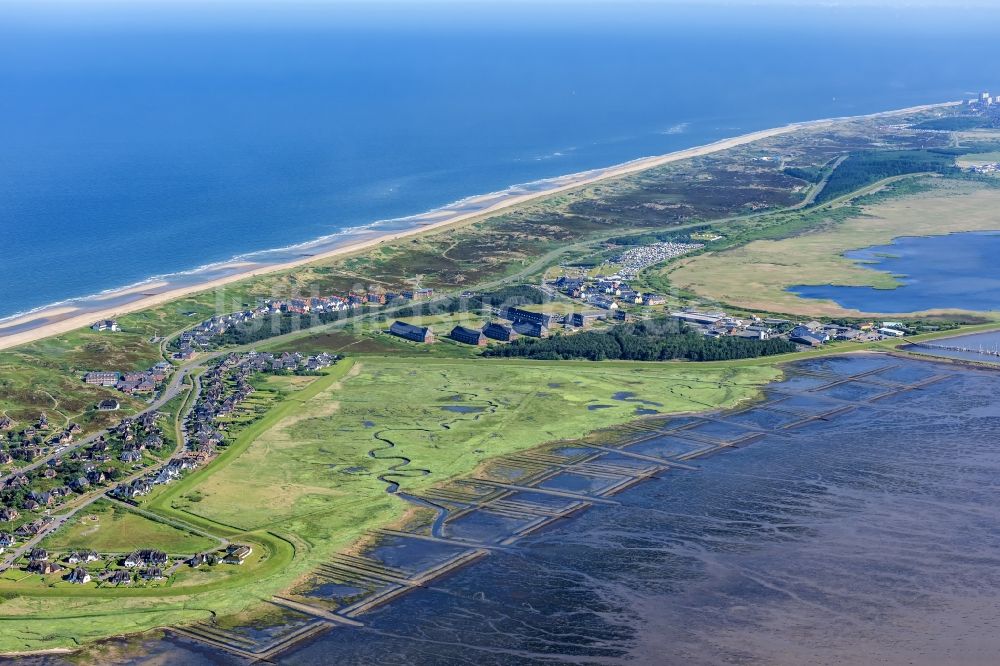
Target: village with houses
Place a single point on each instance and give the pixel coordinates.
(208, 333)
(141, 566)
(126, 463)
(602, 299)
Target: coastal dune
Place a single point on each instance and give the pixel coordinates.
(51, 321)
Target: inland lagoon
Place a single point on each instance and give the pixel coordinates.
(954, 272)
(855, 499)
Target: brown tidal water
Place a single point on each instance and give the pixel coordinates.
(871, 537)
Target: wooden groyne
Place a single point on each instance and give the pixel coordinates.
(314, 611)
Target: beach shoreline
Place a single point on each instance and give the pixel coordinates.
(63, 317)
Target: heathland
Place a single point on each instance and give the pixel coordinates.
(309, 474)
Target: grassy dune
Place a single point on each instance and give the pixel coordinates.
(312, 473)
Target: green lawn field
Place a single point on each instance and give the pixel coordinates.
(111, 528)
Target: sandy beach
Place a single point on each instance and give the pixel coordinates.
(63, 318)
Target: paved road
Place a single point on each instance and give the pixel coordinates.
(172, 390)
(87, 499)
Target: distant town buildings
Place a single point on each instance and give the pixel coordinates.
(983, 101)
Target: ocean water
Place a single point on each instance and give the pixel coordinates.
(145, 141)
(954, 271)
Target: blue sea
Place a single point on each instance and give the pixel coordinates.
(142, 139)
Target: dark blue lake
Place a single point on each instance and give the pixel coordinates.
(956, 272)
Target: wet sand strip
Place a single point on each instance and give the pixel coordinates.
(285, 643)
(665, 463)
(205, 638)
(541, 524)
(230, 638)
(447, 541)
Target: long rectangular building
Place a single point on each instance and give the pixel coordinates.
(411, 332)
(101, 378)
(519, 316)
(498, 331)
(469, 336)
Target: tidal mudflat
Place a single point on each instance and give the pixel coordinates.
(954, 271)
(848, 517)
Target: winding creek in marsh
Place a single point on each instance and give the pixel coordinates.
(403, 469)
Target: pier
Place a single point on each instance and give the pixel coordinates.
(982, 351)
